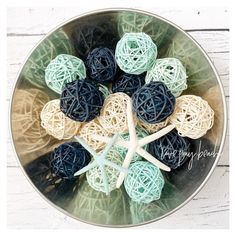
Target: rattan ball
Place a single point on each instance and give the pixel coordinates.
(128, 83)
(53, 45)
(113, 115)
(81, 100)
(56, 123)
(152, 128)
(192, 117)
(93, 128)
(68, 158)
(144, 182)
(27, 132)
(95, 178)
(64, 69)
(135, 53)
(171, 149)
(101, 65)
(141, 133)
(153, 102)
(171, 72)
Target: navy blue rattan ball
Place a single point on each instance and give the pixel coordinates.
(153, 102)
(128, 83)
(171, 149)
(81, 100)
(101, 65)
(68, 158)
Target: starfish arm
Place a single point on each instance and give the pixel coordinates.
(115, 166)
(86, 146)
(104, 179)
(86, 168)
(121, 143)
(152, 159)
(126, 163)
(157, 135)
(110, 144)
(130, 120)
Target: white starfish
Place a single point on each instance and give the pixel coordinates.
(134, 144)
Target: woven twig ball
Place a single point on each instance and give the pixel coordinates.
(27, 132)
(101, 65)
(137, 22)
(141, 133)
(171, 149)
(113, 115)
(53, 45)
(56, 123)
(171, 72)
(192, 117)
(68, 158)
(91, 128)
(144, 182)
(81, 100)
(128, 83)
(95, 178)
(153, 102)
(64, 69)
(135, 53)
(152, 128)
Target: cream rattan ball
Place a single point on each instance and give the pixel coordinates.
(192, 116)
(152, 128)
(113, 115)
(56, 123)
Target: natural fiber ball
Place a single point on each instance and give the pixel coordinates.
(153, 102)
(56, 123)
(171, 149)
(93, 128)
(64, 69)
(113, 117)
(101, 65)
(144, 182)
(53, 45)
(95, 178)
(171, 72)
(68, 158)
(152, 128)
(192, 117)
(28, 134)
(141, 133)
(81, 100)
(135, 53)
(128, 83)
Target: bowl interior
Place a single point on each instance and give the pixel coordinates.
(33, 146)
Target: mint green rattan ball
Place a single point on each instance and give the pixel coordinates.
(64, 69)
(141, 133)
(135, 53)
(144, 182)
(171, 72)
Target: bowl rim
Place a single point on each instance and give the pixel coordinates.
(115, 10)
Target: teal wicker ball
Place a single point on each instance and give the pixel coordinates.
(171, 72)
(141, 133)
(135, 53)
(144, 182)
(64, 69)
(94, 175)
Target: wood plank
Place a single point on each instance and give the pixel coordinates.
(208, 209)
(25, 21)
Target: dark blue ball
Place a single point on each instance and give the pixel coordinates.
(101, 65)
(171, 149)
(68, 158)
(81, 100)
(128, 83)
(153, 102)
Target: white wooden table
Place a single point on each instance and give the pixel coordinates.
(209, 208)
